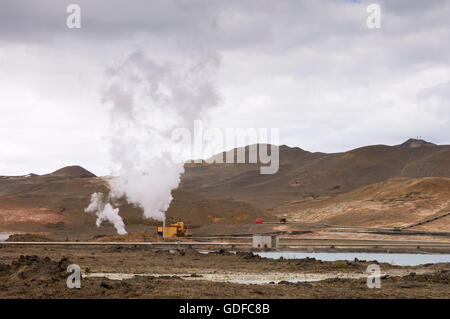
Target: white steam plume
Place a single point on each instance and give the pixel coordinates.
(148, 101)
(105, 212)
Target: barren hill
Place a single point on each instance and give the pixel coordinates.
(54, 204)
(373, 185)
(397, 202)
(304, 175)
(72, 171)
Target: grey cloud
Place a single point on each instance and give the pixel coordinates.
(307, 67)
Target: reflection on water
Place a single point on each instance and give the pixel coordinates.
(394, 259)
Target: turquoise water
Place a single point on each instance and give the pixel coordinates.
(394, 259)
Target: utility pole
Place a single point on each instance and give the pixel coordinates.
(164, 227)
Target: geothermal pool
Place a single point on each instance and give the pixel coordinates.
(394, 259)
(238, 277)
(254, 278)
(276, 277)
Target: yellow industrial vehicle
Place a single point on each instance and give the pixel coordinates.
(178, 229)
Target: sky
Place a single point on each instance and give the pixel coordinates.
(312, 69)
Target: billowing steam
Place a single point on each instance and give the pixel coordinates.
(148, 101)
(105, 212)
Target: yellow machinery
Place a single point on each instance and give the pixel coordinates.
(178, 229)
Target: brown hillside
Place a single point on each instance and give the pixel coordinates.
(396, 202)
(72, 171)
(303, 175)
(373, 185)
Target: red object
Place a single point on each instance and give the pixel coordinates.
(259, 221)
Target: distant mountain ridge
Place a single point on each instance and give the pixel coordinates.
(67, 171)
(72, 171)
(308, 186)
(413, 143)
(303, 173)
(411, 181)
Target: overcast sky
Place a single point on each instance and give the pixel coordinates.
(313, 69)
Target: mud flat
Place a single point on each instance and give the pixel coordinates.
(142, 272)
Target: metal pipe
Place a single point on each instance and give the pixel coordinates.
(62, 243)
(164, 227)
(224, 244)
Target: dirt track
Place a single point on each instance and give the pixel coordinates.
(42, 274)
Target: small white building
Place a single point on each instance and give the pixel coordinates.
(265, 241)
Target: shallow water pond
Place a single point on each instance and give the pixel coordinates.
(241, 278)
(394, 259)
